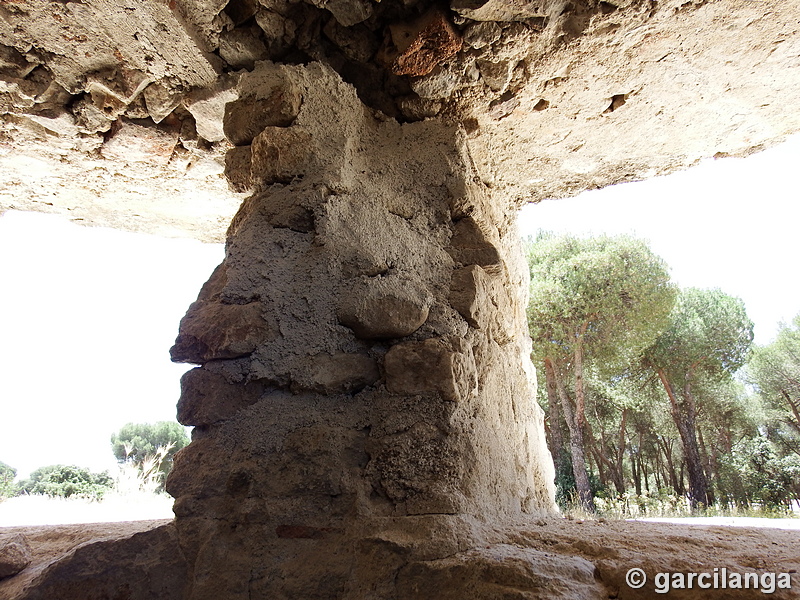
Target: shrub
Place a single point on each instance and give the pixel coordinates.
(7, 486)
(140, 444)
(66, 481)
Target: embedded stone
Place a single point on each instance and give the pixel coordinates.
(423, 44)
(497, 75)
(15, 554)
(160, 101)
(237, 168)
(359, 47)
(242, 47)
(275, 106)
(439, 84)
(471, 246)
(212, 331)
(419, 109)
(499, 10)
(279, 32)
(338, 373)
(135, 143)
(347, 12)
(207, 106)
(480, 35)
(208, 398)
(431, 366)
(93, 114)
(279, 154)
(384, 308)
(241, 11)
(470, 295)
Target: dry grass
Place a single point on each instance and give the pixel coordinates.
(133, 498)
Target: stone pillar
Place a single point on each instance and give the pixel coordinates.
(364, 397)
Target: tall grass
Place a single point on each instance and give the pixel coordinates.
(663, 504)
(137, 494)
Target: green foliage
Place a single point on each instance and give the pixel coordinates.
(774, 370)
(138, 443)
(615, 285)
(66, 481)
(685, 430)
(7, 486)
(708, 333)
(763, 476)
(566, 490)
(596, 300)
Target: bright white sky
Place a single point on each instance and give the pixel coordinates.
(87, 315)
(730, 223)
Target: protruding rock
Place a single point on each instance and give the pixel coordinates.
(423, 44)
(470, 295)
(490, 571)
(431, 366)
(384, 308)
(207, 397)
(15, 554)
(470, 245)
(135, 143)
(499, 10)
(338, 373)
(144, 565)
(212, 330)
(279, 154)
(242, 47)
(273, 104)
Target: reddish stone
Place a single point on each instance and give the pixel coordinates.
(424, 44)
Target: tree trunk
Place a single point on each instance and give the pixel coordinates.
(580, 397)
(642, 465)
(575, 441)
(685, 414)
(637, 482)
(671, 473)
(619, 472)
(614, 468)
(707, 465)
(556, 418)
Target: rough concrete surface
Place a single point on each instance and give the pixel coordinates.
(537, 560)
(364, 405)
(371, 404)
(556, 97)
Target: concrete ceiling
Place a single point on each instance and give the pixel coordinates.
(116, 112)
